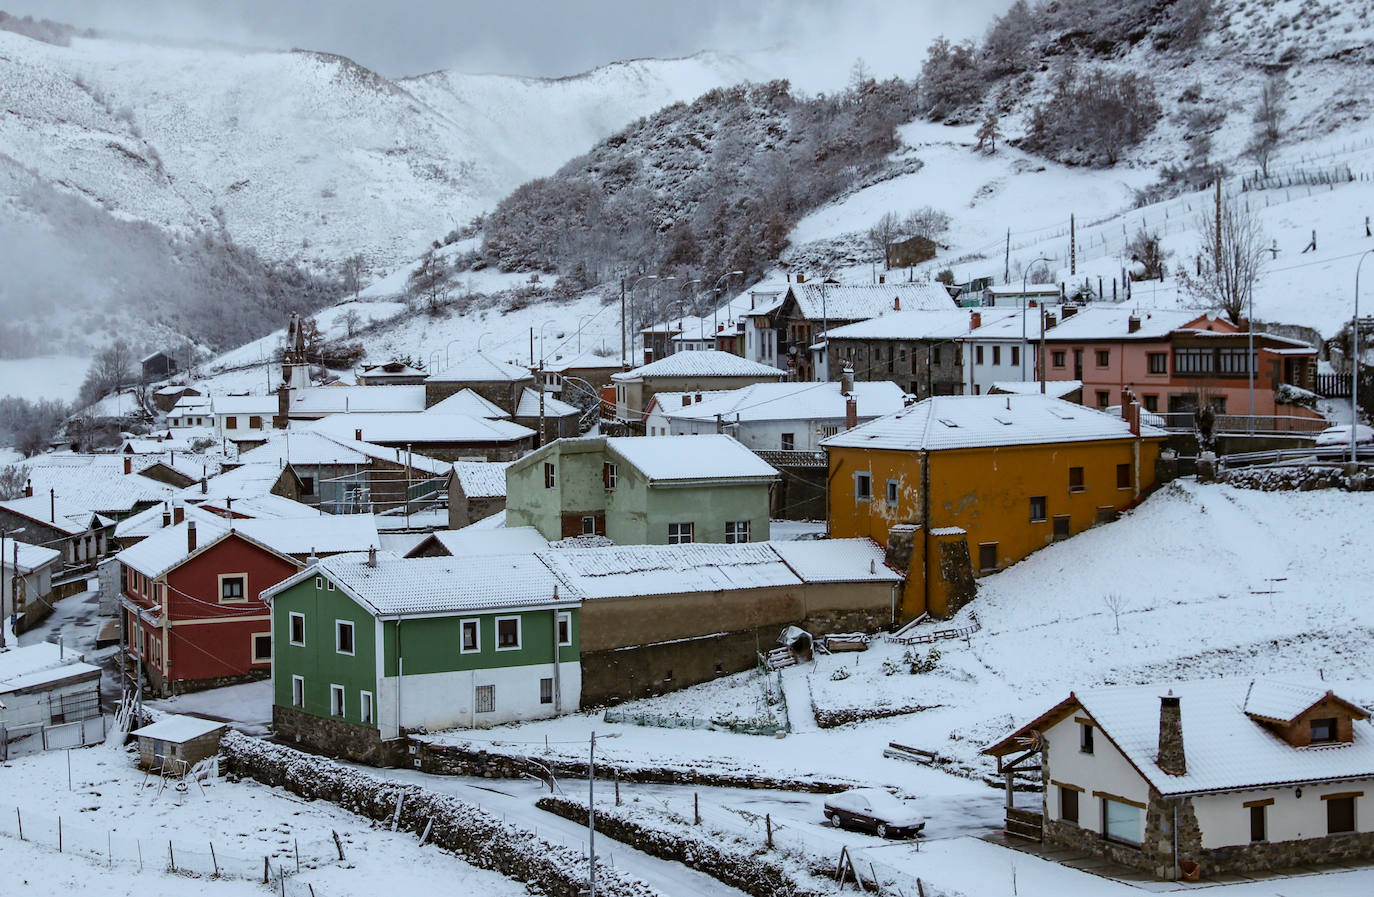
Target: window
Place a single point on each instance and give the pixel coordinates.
(233, 588)
(550, 475)
(736, 531)
(589, 525)
(1159, 362)
(319, 583)
(1076, 479)
(609, 474)
(829, 430)
(934, 356)
(1340, 813)
(1057, 359)
(1038, 505)
(329, 584)
(1103, 398)
(507, 633)
(1123, 476)
(1104, 357)
(987, 556)
(336, 700)
(262, 647)
(892, 493)
(1322, 731)
(1258, 830)
(470, 639)
(1151, 402)
(564, 629)
(297, 627)
(1232, 361)
(1061, 527)
(1015, 355)
(681, 533)
(343, 637)
(231, 423)
(1068, 804)
(1085, 738)
(789, 442)
(546, 691)
(863, 486)
(977, 354)
(1193, 361)
(485, 698)
(307, 485)
(255, 422)
(297, 691)
(365, 707)
(1106, 514)
(1121, 822)
(996, 354)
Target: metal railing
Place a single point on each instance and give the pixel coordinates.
(1233, 424)
(1327, 454)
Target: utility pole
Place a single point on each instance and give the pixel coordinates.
(1040, 358)
(591, 818)
(1217, 257)
(531, 347)
(1073, 246)
(1006, 259)
(4, 617)
(623, 356)
(539, 373)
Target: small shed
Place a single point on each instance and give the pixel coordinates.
(157, 366)
(175, 743)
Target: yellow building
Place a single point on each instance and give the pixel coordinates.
(960, 486)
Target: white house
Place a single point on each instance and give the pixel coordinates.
(26, 573)
(243, 418)
(1208, 777)
(49, 698)
(1000, 347)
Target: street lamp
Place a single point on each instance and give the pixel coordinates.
(541, 340)
(1355, 359)
(666, 338)
(633, 308)
(714, 324)
(579, 329)
(479, 340)
(446, 348)
(1024, 275)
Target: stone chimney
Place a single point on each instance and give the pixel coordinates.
(1050, 320)
(28, 488)
(975, 320)
(901, 542)
(204, 484)
(1069, 311)
(372, 556)
(1171, 756)
(847, 380)
(851, 412)
(1132, 323)
(128, 465)
(190, 537)
(882, 278)
(283, 415)
(178, 514)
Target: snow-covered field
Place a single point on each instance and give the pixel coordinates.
(46, 377)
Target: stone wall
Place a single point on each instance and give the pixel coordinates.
(337, 738)
(1346, 848)
(479, 837)
(186, 686)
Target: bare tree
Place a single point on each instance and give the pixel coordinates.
(927, 221)
(353, 268)
(1231, 261)
(13, 477)
(1145, 250)
(429, 281)
(351, 321)
(883, 233)
(1268, 121)
(1116, 603)
(987, 135)
(111, 369)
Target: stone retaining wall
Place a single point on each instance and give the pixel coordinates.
(481, 838)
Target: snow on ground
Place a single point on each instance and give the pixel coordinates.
(247, 706)
(45, 377)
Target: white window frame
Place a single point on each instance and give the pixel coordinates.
(338, 701)
(549, 680)
(564, 617)
(477, 630)
(893, 493)
(677, 539)
(338, 640)
(612, 475)
(733, 531)
(519, 633)
(253, 647)
(291, 619)
(298, 691)
(319, 583)
(220, 590)
(866, 476)
(329, 585)
(367, 708)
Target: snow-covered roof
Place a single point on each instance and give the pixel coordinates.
(920, 324)
(178, 728)
(481, 479)
(1112, 322)
(480, 368)
(62, 515)
(39, 664)
(171, 390)
(260, 405)
(438, 585)
(1004, 324)
(420, 428)
(713, 456)
(1225, 749)
(392, 369)
(786, 401)
(637, 570)
(191, 403)
(553, 407)
(244, 481)
(30, 557)
(952, 422)
(304, 447)
(1054, 388)
(836, 560)
(1283, 702)
(326, 534)
(466, 401)
(508, 540)
(1030, 289)
(857, 302)
(101, 487)
(707, 363)
(585, 360)
(318, 401)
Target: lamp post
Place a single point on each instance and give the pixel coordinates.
(579, 330)
(448, 346)
(633, 310)
(714, 323)
(1250, 330)
(479, 340)
(541, 340)
(682, 308)
(1024, 275)
(1355, 360)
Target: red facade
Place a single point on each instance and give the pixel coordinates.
(208, 616)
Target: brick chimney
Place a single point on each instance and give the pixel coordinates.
(204, 484)
(1171, 756)
(801, 278)
(190, 537)
(178, 514)
(1132, 323)
(882, 278)
(975, 320)
(283, 415)
(896, 302)
(128, 465)
(851, 412)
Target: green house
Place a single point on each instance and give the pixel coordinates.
(371, 646)
(642, 490)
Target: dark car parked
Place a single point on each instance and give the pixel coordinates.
(874, 810)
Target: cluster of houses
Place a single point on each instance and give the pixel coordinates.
(428, 551)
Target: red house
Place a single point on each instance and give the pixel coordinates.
(191, 613)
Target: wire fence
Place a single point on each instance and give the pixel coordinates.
(114, 848)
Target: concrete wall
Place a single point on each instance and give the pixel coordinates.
(437, 701)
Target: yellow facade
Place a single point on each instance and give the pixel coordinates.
(987, 493)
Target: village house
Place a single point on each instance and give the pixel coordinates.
(392, 373)
(49, 700)
(166, 397)
(442, 437)
(1178, 361)
(581, 371)
(498, 382)
(319, 402)
(81, 535)
(920, 350)
(476, 490)
(548, 416)
(685, 372)
(243, 419)
(26, 575)
(372, 646)
(1001, 347)
(1201, 779)
(347, 476)
(475, 540)
(958, 487)
(642, 490)
(191, 610)
(193, 411)
(157, 366)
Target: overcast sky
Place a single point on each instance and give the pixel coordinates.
(542, 37)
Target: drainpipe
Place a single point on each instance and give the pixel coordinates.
(557, 679)
(1175, 840)
(925, 529)
(400, 674)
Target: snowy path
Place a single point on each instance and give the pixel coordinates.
(514, 801)
(796, 687)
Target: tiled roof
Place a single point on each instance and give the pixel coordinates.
(1281, 701)
(479, 368)
(951, 422)
(321, 400)
(1112, 322)
(31, 557)
(553, 407)
(921, 324)
(423, 586)
(707, 363)
(636, 570)
(481, 479)
(70, 518)
(465, 401)
(786, 401)
(677, 458)
(858, 302)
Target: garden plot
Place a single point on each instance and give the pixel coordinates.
(128, 824)
(751, 700)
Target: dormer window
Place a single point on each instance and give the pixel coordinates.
(1322, 731)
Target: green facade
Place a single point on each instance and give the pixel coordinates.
(430, 644)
